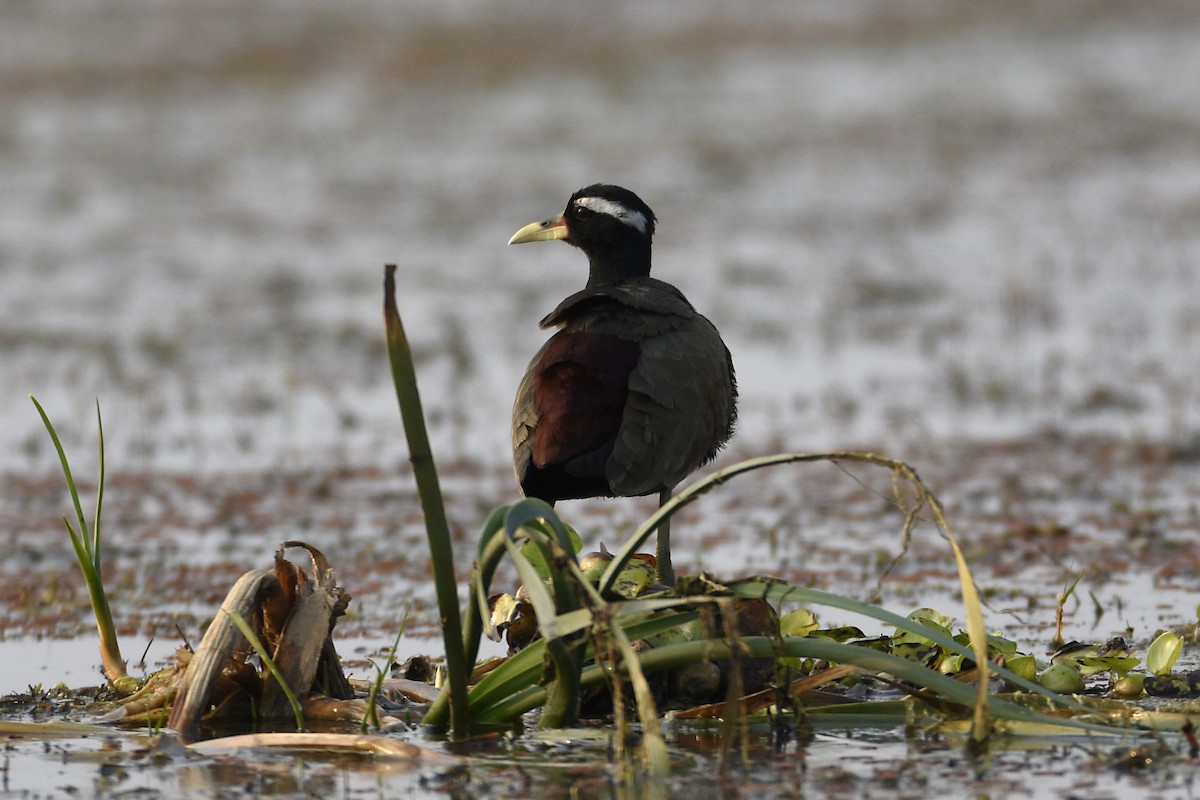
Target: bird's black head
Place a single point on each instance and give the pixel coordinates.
(608, 223)
(601, 212)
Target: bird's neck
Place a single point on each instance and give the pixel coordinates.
(618, 264)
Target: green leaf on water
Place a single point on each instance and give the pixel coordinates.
(1094, 665)
(1023, 665)
(800, 622)
(926, 617)
(1163, 652)
(1061, 678)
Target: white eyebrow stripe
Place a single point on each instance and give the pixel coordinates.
(634, 219)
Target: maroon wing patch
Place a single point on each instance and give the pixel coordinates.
(580, 386)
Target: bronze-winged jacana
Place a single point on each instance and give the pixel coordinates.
(636, 389)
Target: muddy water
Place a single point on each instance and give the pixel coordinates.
(964, 236)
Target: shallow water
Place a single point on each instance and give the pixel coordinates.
(960, 234)
(830, 763)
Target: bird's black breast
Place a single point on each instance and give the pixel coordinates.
(633, 393)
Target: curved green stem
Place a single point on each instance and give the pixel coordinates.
(974, 613)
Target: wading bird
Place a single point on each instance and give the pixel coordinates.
(636, 389)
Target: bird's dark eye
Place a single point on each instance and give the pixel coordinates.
(581, 212)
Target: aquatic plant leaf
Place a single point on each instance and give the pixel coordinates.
(932, 619)
(1129, 686)
(1023, 665)
(511, 689)
(902, 473)
(1062, 678)
(635, 577)
(847, 633)
(538, 593)
(997, 645)
(535, 555)
(1163, 653)
(926, 619)
(1094, 665)
(800, 622)
(1169, 685)
(781, 592)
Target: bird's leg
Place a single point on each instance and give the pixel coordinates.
(666, 573)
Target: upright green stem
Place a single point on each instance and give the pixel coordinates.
(87, 553)
(440, 548)
(99, 489)
(491, 551)
(110, 650)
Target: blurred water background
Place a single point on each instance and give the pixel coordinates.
(912, 222)
(960, 233)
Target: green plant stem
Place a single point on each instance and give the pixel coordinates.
(372, 715)
(96, 550)
(524, 668)
(438, 531)
(88, 553)
(491, 552)
(972, 606)
(681, 654)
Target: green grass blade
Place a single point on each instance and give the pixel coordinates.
(491, 549)
(529, 518)
(99, 490)
(976, 631)
(372, 715)
(511, 690)
(538, 593)
(66, 468)
(518, 673)
(87, 553)
(268, 663)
